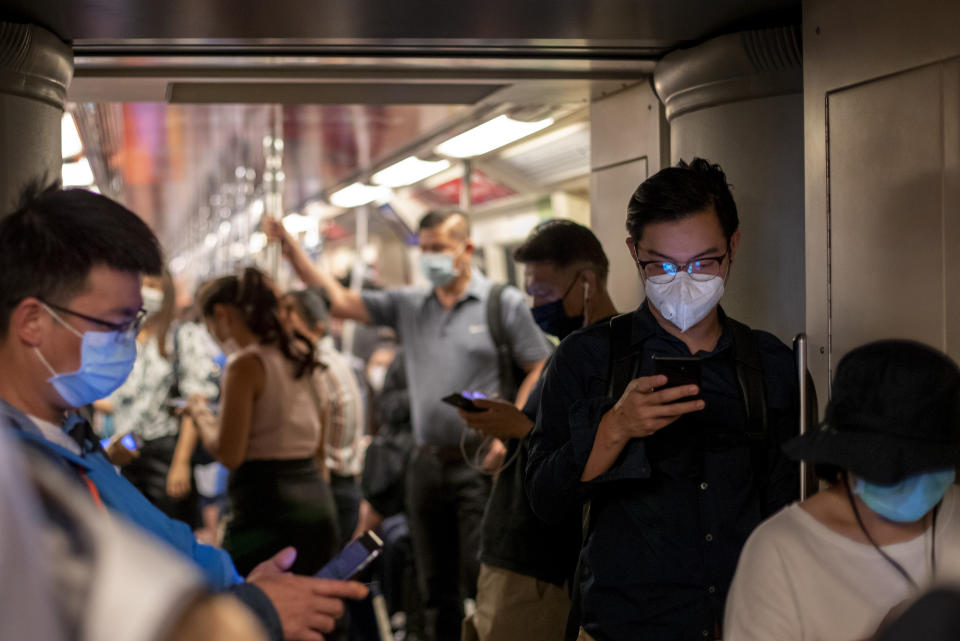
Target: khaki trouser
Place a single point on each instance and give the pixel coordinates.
(516, 607)
(583, 636)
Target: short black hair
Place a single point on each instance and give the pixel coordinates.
(49, 245)
(563, 243)
(677, 192)
(437, 217)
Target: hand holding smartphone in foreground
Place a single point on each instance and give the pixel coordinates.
(354, 558)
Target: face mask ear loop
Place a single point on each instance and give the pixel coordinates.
(873, 542)
(65, 324)
(52, 371)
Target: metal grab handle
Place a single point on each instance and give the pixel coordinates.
(800, 354)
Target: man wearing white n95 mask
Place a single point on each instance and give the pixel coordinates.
(676, 470)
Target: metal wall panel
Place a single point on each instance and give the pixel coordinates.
(610, 191)
(624, 126)
(759, 144)
(951, 208)
(629, 140)
(886, 210)
(861, 42)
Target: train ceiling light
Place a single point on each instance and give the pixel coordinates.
(408, 171)
(491, 135)
(359, 194)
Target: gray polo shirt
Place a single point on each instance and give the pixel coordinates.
(452, 351)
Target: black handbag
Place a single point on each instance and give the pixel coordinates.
(385, 469)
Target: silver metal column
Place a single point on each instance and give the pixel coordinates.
(737, 100)
(35, 70)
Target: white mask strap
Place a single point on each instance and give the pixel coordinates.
(52, 371)
(57, 318)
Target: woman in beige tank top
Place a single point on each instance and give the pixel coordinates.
(269, 431)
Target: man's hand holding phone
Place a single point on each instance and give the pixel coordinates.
(644, 409)
(498, 419)
(307, 607)
(647, 407)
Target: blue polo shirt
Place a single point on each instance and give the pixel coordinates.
(450, 351)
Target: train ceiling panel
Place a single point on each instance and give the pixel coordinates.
(634, 28)
(288, 93)
(550, 159)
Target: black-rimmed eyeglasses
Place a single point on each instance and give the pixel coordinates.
(664, 271)
(123, 328)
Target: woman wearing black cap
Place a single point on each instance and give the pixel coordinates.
(834, 566)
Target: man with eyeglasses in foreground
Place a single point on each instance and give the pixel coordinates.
(674, 477)
(70, 310)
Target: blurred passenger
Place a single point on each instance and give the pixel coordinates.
(74, 569)
(933, 617)
(172, 362)
(677, 475)
(888, 526)
(269, 429)
(305, 312)
(448, 349)
(69, 318)
(527, 564)
(383, 509)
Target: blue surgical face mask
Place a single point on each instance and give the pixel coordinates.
(106, 361)
(910, 499)
(438, 268)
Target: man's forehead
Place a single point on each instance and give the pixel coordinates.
(114, 291)
(542, 275)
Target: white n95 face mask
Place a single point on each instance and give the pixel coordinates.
(152, 299)
(685, 301)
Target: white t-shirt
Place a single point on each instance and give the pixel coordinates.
(798, 580)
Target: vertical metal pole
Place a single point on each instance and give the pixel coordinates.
(273, 198)
(466, 194)
(800, 350)
(358, 273)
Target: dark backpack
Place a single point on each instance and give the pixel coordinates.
(510, 375)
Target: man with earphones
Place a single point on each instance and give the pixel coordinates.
(527, 564)
(674, 470)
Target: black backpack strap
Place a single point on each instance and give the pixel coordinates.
(749, 367)
(623, 361)
(505, 363)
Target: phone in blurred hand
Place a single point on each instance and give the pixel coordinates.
(128, 440)
(354, 558)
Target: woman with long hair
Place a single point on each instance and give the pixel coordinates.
(168, 366)
(269, 431)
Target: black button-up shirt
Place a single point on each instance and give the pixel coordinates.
(669, 518)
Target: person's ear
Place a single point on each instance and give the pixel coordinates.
(734, 244)
(27, 322)
(632, 247)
